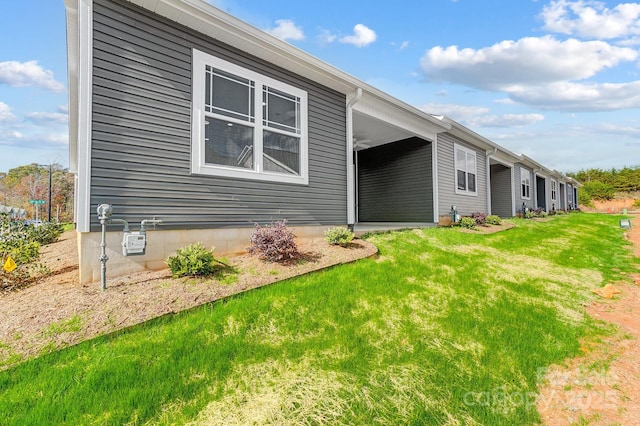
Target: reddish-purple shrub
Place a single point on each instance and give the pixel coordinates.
(480, 218)
(274, 242)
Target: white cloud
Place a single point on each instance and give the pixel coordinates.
(287, 30)
(460, 113)
(362, 36)
(504, 101)
(512, 65)
(581, 97)
(47, 117)
(326, 36)
(477, 116)
(404, 45)
(33, 140)
(592, 19)
(28, 74)
(506, 120)
(6, 116)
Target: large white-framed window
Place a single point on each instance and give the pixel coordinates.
(466, 170)
(554, 190)
(247, 125)
(525, 183)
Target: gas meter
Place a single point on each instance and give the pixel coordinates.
(134, 244)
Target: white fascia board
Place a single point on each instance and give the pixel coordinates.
(503, 159)
(469, 136)
(416, 123)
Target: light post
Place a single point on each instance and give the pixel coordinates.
(50, 182)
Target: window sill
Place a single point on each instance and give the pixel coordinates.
(467, 193)
(233, 173)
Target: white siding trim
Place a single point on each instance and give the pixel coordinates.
(434, 172)
(85, 93)
(198, 165)
(467, 151)
(351, 166)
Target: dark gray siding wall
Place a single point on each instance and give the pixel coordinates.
(141, 148)
(447, 196)
(501, 191)
(541, 192)
(395, 182)
(532, 191)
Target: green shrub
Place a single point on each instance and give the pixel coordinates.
(46, 233)
(636, 203)
(339, 236)
(468, 222)
(493, 219)
(192, 260)
(274, 242)
(530, 214)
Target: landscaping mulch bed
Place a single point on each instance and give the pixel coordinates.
(59, 311)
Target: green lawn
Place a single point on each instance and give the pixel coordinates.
(444, 327)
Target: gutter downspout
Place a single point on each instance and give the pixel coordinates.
(434, 167)
(351, 199)
(488, 156)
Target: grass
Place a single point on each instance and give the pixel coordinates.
(444, 327)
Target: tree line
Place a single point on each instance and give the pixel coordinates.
(31, 182)
(604, 184)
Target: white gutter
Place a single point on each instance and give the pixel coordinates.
(351, 184)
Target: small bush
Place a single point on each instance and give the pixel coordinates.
(274, 242)
(339, 236)
(46, 233)
(493, 220)
(480, 218)
(530, 214)
(192, 260)
(636, 203)
(468, 222)
(542, 214)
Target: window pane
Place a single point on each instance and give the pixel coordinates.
(462, 180)
(281, 153)
(232, 96)
(280, 110)
(228, 144)
(471, 163)
(461, 160)
(472, 182)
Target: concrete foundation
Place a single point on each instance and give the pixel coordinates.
(162, 244)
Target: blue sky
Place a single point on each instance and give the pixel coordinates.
(557, 80)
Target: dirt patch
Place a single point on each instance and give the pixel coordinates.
(58, 311)
(602, 387)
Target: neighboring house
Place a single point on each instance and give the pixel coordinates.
(184, 113)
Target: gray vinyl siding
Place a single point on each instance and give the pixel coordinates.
(141, 147)
(518, 183)
(570, 196)
(501, 191)
(563, 195)
(395, 182)
(447, 196)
